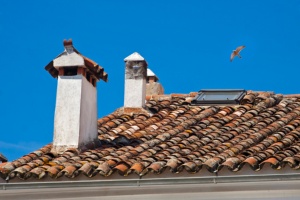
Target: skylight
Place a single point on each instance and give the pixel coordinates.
(215, 97)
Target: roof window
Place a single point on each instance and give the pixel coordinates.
(216, 97)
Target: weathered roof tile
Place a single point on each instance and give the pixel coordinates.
(178, 136)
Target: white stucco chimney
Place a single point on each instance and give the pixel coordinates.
(135, 81)
(75, 121)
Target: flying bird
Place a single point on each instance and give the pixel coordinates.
(236, 52)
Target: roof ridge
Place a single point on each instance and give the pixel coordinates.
(169, 96)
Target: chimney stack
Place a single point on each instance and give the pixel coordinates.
(153, 87)
(135, 81)
(75, 122)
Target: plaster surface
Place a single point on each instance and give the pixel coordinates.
(75, 120)
(88, 113)
(135, 93)
(154, 88)
(68, 59)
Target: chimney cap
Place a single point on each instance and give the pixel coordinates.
(71, 57)
(134, 57)
(151, 73)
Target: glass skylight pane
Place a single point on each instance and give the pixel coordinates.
(219, 96)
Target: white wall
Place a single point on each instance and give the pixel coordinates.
(68, 58)
(67, 111)
(75, 120)
(88, 113)
(135, 93)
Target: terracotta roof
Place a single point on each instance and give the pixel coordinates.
(178, 137)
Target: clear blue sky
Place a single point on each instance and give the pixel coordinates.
(186, 43)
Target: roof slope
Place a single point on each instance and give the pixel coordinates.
(178, 136)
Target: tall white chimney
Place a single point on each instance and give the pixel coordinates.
(75, 122)
(135, 81)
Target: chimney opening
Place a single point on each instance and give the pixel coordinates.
(61, 71)
(88, 76)
(151, 79)
(82, 71)
(70, 71)
(93, 82)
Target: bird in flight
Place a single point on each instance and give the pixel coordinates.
(236, 52)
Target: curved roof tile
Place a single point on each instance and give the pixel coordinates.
(177, 137)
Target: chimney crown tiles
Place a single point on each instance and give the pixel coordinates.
(68, 42)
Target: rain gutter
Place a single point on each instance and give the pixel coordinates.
(153, 181)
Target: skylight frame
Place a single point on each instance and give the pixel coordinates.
(219, 97)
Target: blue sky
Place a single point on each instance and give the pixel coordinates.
(186, 43)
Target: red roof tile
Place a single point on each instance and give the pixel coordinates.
(177, 136)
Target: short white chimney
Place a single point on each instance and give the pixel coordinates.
(75, 122)
(135, 81)
(153, 87)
